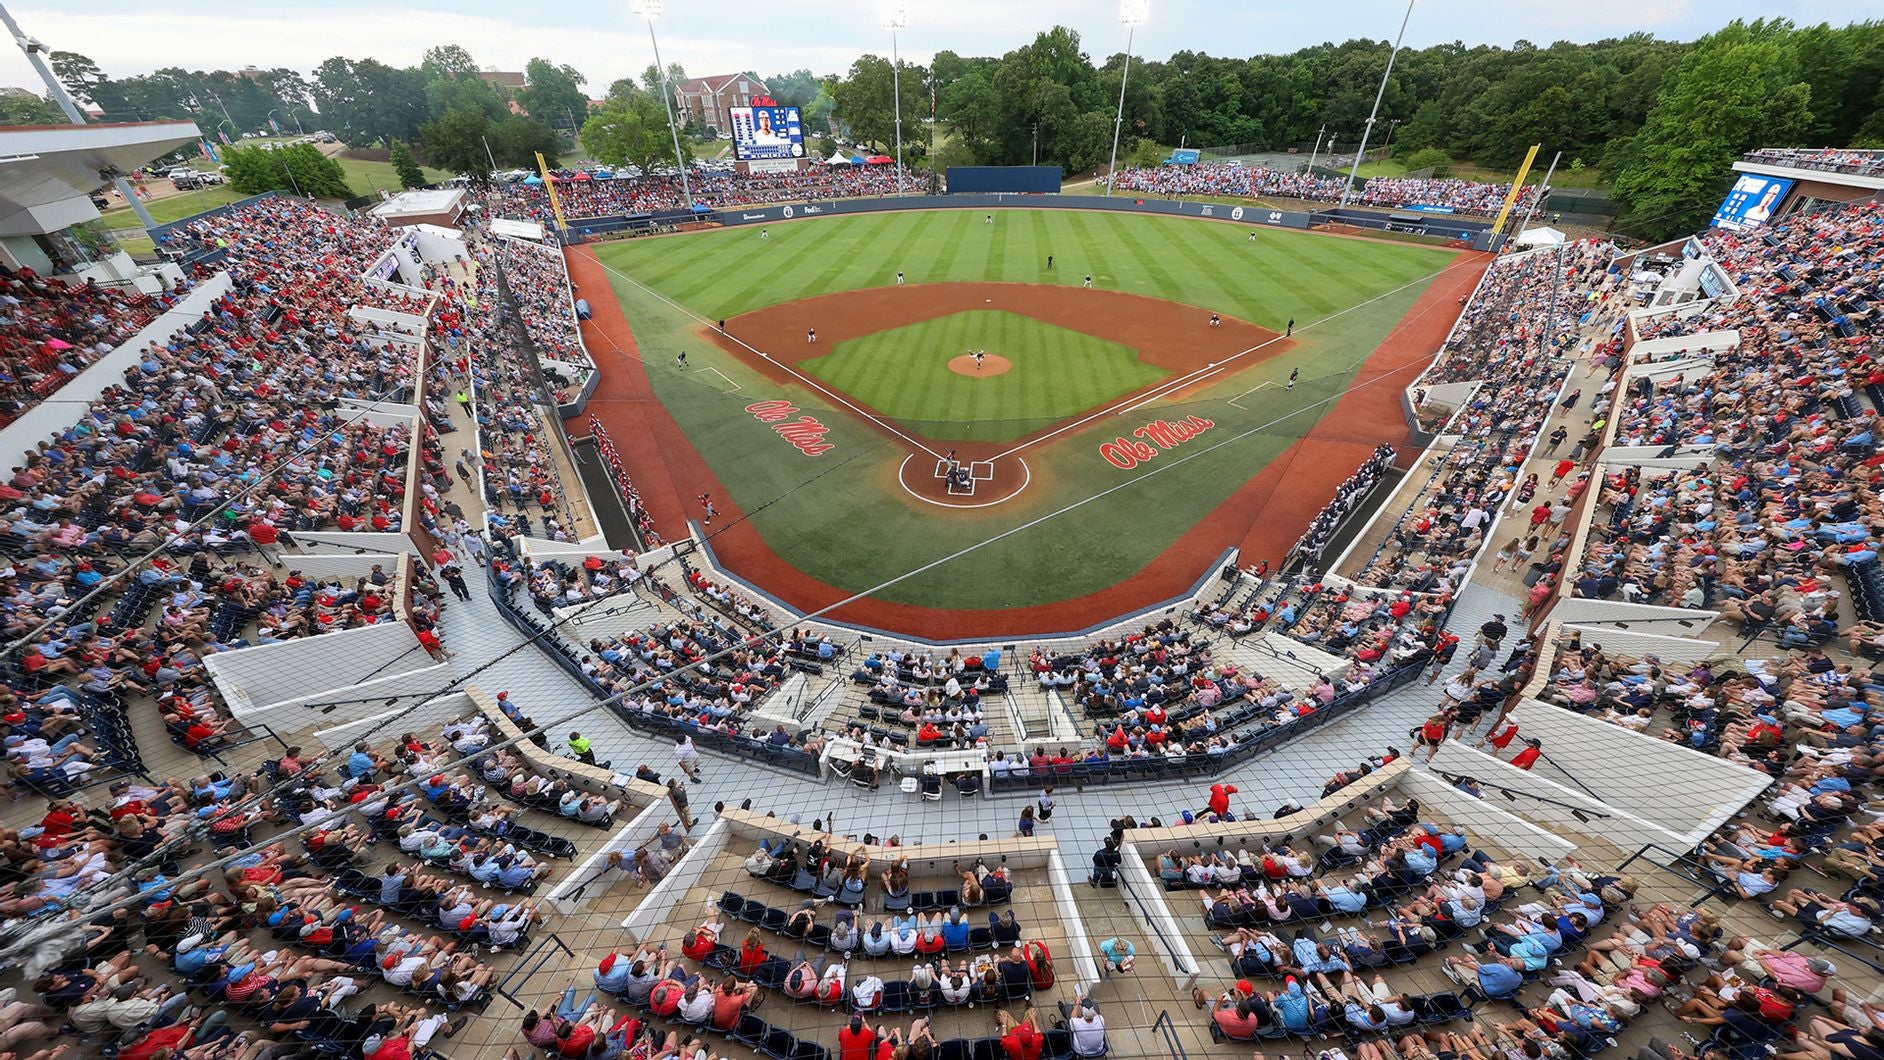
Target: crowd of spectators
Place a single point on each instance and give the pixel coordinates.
(1516, 342)
(610, 197)
(1830, 159)
(1788, 508)
(50, 330)
(1240, 181)
(537, 280)
(515, 464)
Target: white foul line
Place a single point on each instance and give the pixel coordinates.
(723, 375)
(1252, 390)
(1149, 398)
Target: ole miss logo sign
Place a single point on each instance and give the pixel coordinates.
(1151, 439)
(805, 432)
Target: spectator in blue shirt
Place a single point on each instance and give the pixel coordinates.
(1496, 979)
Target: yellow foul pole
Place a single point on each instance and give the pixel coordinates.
(1511, 198)
(556, 202)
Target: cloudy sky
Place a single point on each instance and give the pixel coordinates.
(604, 41)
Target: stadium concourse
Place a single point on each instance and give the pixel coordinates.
(304, 722)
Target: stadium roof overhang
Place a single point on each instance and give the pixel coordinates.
(48, 172)
(1862, 181)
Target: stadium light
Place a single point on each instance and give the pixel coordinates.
(896, 17)
(1347, 190)
(651, 10)
(1133, 13)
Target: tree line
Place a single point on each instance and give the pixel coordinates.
(1661, 120)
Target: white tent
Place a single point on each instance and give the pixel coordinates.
(1541, 237)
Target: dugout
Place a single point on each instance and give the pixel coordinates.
(1026, 180)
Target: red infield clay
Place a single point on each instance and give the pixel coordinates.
(991, 365)
(1265, 516)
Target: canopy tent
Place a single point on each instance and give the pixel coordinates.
(533, 179)
(881, 160)
(838, 159)
(1541, 237)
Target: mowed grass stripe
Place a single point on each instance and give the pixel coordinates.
(731, 271)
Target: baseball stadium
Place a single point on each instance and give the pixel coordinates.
(915, 560)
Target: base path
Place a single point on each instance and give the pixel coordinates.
(1265, 516)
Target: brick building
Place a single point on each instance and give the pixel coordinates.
(710, 99)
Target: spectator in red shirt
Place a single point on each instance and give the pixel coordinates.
(1526, 758)
(856, 1041)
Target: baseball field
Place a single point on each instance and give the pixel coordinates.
(1109, 444)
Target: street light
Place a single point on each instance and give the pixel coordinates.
(651, 10)
(1347, 190)
(897, 17)
(298, 131)
(1132, 13)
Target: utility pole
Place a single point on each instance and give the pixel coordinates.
(1317, 151)
(1347, 190)
(487, 153)
(34, 54)
(1036, 143)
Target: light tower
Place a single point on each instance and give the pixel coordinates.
(896, 17)
(651, 10)
(1133, 13)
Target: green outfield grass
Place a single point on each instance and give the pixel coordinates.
(1345, 295)
(903, 373)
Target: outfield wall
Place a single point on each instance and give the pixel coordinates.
(1252, 214)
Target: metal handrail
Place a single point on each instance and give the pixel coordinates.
(1164, 1026)
(1151, 925)
(531, 963)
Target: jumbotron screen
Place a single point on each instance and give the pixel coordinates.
(767, 133)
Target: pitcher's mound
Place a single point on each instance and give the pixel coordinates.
(992, 364)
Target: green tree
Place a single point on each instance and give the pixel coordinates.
(448, 93)
(630, 132)
(1146, 154)
(448, 60)
(554, 95)
(299, 168)
(456, 142)
(410, 175)
(1429, 158)
(366, 102)
(1734, 90)
(517, 140)
(865, 100)
(30, 110)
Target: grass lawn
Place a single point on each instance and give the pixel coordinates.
(173, 207)
(904, 374)
(365, 177)
(1345, 294)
